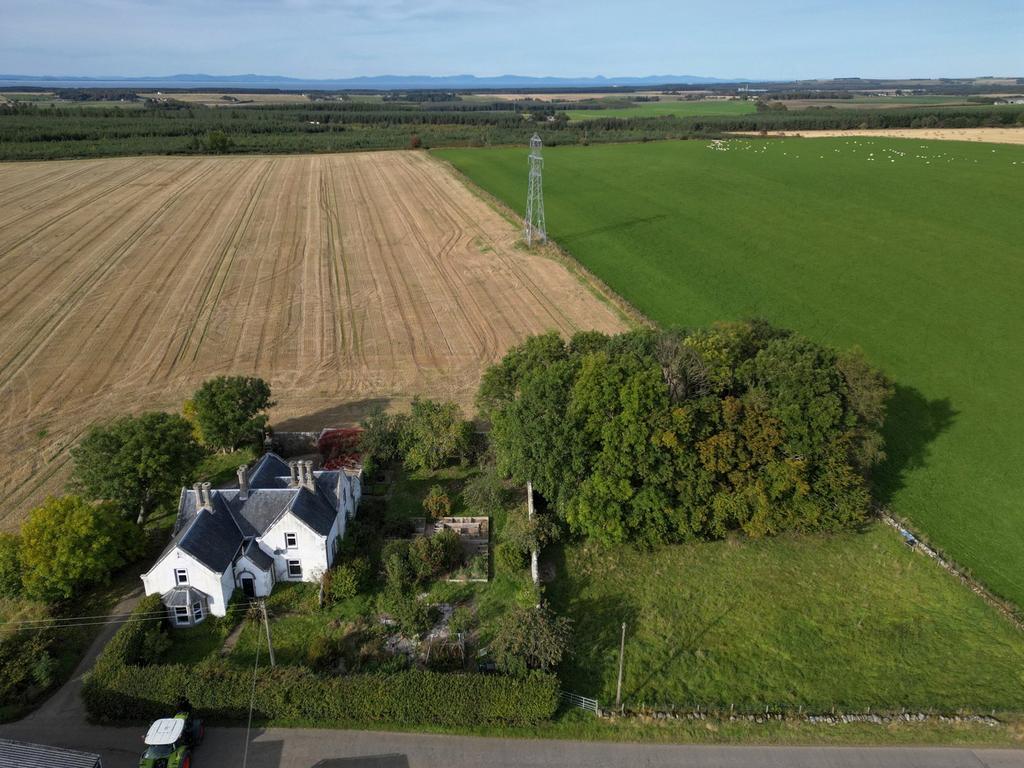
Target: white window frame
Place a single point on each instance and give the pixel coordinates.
(197, 611)
(294, 541)
(181, 618)
(298, 565)
(179, 573)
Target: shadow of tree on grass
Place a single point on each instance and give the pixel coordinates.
(912, 423)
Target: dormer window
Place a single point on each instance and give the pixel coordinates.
(180, 576)
(290, 541)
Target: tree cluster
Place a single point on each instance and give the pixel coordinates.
(658, 436)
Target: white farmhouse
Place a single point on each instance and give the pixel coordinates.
(282, 523)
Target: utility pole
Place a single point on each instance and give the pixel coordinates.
(534, 564)
(266, 623)
(622, 654)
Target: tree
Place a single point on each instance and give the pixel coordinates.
(230, 410)
(655, 436)
(531, 638)
(381, 437)
(69, 544)
(435, 435)
(436, 503)
(137, 462)
(10, 565)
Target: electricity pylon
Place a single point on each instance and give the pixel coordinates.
(534, 227)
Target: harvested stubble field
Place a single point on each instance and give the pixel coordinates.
(358, 279)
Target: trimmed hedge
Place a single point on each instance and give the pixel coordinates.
(119, 690)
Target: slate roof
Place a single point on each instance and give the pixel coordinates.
(260, 509)
(183, 597)
(271, 471)
(258, 557)
(312, 509)
(214, 536)
(21, 754)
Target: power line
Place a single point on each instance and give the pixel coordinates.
(252, 700)
(70, 622)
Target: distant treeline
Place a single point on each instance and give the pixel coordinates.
(30, 132)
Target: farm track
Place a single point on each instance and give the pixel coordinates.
(345, 280)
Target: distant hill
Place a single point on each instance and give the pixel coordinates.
(377, 82)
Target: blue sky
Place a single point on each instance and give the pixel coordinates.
(781, 39)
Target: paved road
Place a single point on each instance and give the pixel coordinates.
(301, 748)
(61, 721)
(66, 705)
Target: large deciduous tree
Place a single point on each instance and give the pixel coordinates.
(136, 462)
(230, 410)
(69, 544)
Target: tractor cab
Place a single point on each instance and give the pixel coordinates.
(169, 742)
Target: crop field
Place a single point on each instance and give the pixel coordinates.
(673, 108)
(991, 135)
(345, 280)
(910, 249)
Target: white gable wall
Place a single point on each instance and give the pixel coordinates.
(263, 580)
(161, 579)
(310, 549)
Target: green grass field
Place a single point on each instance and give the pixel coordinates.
(661, 108)
(912, 250)
(852, 621)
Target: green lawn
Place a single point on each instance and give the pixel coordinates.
(914, 250)
(855, 621)
(660, 108)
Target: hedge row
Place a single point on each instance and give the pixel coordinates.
(118, 690)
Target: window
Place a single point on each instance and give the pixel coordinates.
(294, 569)
(181, 615)
(197, 611)
(180, 576)
(290, 541)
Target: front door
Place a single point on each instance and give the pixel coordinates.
(248, 586)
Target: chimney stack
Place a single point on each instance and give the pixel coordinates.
(243, 483)
(198, 490)
(310, 480)
(296, 471)
(207, 501)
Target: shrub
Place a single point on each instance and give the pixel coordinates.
(435, 435)
(509, 557)
(414, 617)
(345, 580)
(397, 576)
(10, 565)
(484, 494)
(324, 653)
(531, 638)
(462, 621)
(436, 503)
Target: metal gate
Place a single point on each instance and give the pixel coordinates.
(575, 700)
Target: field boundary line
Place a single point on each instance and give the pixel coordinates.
(632, 316)
(920, 544)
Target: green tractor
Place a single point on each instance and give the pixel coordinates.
(169, 741)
